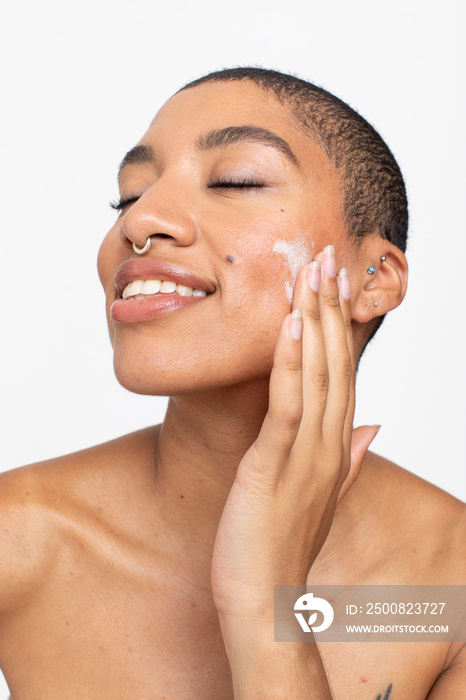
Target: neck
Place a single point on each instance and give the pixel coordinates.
(200, 445)
(197, 452)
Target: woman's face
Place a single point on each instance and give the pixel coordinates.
(240, 209)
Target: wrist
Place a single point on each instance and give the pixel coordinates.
(261, 667)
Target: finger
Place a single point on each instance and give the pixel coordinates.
(315, 369)
(336, 348)
(360, 442)
(281, 424)
(300, 288)
(345, 304)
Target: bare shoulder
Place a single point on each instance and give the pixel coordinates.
(40, 502)
(23, 536)
(417, 521)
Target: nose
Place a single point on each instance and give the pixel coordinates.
(159, 214)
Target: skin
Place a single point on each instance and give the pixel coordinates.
(145, 567)
(297, 254)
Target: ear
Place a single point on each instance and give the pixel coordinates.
(378, 293)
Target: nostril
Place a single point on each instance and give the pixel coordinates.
(161, 235)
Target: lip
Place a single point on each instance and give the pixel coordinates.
(156, 270)
(135, 310)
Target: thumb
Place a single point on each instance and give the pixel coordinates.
(360, 442)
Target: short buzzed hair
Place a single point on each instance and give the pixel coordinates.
(375, 200)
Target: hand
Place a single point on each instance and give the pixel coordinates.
(282, 503)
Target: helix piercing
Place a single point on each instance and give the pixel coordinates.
(371, 269)
(144, 249)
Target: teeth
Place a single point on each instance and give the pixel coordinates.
(184, 291)
(151, 286)
(168, 287)
(133, 288)
(139, 289)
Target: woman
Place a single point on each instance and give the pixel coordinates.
(258, 245)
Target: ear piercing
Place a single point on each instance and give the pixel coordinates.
(371, 269)
(144, 249)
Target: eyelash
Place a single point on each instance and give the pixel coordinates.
(236, 184)
(122, 203)
(232, 184)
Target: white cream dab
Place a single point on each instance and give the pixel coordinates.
(297, 254)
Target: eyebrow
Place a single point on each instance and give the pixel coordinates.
(217, 138)
(220, 138)
(139, 155)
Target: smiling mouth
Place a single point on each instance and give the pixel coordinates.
(142, 289)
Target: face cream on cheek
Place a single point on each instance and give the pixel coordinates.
(297, 253)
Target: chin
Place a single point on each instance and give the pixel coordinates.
(177, 376)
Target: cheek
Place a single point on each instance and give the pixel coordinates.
(107, 262)
(105, 259)
(296, 254)
(257, 292)
(267, 271)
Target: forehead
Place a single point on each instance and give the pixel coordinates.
(194, 112)
(222, 102)
(231, 95)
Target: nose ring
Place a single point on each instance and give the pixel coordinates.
(144, 249)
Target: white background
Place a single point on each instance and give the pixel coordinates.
(81, 81)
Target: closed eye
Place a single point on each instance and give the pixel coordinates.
(226, 184)
(235, 184)
(122, 203)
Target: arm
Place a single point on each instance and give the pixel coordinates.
(262, 668)
(282, 503)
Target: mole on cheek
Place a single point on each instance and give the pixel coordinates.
(230, 258)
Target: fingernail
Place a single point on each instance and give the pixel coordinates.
(313, 276)
(344, 283)
(375, 425)
(329, 263)
(296, 324)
